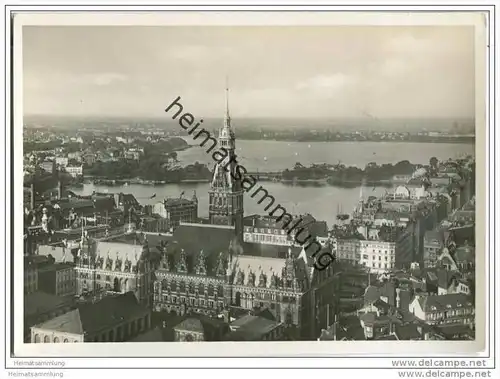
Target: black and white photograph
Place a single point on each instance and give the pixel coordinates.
(191, 184)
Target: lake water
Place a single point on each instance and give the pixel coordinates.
(322, 202)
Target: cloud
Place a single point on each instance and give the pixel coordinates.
(326, 82)
(188, 52)
(395, 67)
(105, 79)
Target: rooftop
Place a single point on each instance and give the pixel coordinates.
(94, 317)
(251, 328)
(439, 303)
(40, 302)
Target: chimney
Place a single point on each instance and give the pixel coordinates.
(32, 196)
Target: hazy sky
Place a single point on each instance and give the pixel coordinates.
(273, 71)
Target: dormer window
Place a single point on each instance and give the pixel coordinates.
(109, 264)
(433, 308)
(240, 277)
(458, 305)
(128, 266)
(251, 279)
(99, 262)
(118, 265)
(262, 280)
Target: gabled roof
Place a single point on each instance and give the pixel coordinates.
(440, 303)
(213, 240)
(119, 251)
(69, 322)
(446, 278)
(257, 266)
(191, 324)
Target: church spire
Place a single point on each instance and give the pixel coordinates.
(227, 118)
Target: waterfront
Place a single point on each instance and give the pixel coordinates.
(323, 202)
(278, 155)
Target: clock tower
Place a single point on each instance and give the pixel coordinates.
(226, 193)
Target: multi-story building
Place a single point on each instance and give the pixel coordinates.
(112, 319)
(265, 230)
(58, 279)
(30, 275)
(349, 250)
(379, 256)
(76, 155)
(49, 166)
(62, 161)
(126, 202)
(270, 230)
(456, 308)
(74, 171)
(386, 247)
(40, 307)
(89, 159)
(433, 244)
(205, 270)
(177, 210)
(116, 267)
(192, 270)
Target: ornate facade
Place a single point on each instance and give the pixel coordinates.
(115, 267)
(192, 272)
(226, 193)
(205, 270)
(282, 285)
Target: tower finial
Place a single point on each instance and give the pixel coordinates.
(227, 97)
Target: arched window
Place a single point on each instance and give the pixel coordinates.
(46, 339)
(56, 340)
(65, 340)
(37, 338)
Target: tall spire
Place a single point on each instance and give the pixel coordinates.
(227, 119)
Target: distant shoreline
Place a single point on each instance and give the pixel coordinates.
(457, 140)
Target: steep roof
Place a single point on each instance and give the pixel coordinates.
(251, 328)
(191, 324)
(408, 332)
(40, 302)
(267, 272)
(91, 318)
(190, 240)
(118, 252)
(465, 254)
(270, 251)
(440, 303)
(372, 294)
